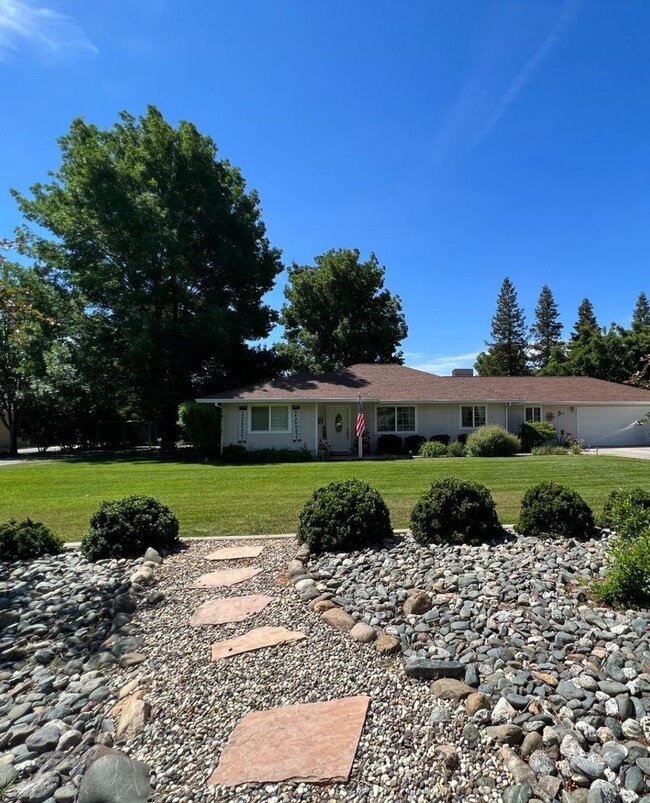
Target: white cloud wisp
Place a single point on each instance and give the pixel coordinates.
(442, 365)
(43, 30)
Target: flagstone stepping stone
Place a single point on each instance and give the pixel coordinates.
(308, 743)
(225, 577)
(236, 553)
(232, 609)
(254, 640)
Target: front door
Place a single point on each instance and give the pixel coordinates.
(338, 427)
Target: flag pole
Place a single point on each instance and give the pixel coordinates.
(361, 426)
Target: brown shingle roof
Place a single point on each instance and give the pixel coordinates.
(398, 383)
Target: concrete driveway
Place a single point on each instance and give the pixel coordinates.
(639, 452)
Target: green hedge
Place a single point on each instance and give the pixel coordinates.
(343, 516)
(126, 527)
(455, 511)
(492, 441)
(27, 539)
(552, 509)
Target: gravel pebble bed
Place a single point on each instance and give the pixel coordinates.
(511, 620)
(197, 704)
(56, 615)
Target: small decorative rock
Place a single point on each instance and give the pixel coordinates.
(418, 604)
(387, 645)
(152, 556)
(450, 689)
(503, 712)
(434, 669)
(135, 715)
(323, 605)
(295, 568)
(505, 734)
(338, 619)
(115, 778)
(40, 789)
(447, 754)
(477, 702)
(363, 633)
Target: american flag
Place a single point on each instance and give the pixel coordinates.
(361, 419)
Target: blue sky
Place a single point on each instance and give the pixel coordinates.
(460, 140)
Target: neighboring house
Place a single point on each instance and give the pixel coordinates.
(4, 439)
(304, 409)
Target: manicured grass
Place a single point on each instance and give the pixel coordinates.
(246, 500)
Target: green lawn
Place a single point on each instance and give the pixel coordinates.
(240, 500)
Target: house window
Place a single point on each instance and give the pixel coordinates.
(399, 418)
(533, 414)
(268, 418)
(472, 416)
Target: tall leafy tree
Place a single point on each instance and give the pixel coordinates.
(506, 355)
(339, 313)
(641, 314)
(546, 332)
(592, 351)
(166, 245)
(27, 331)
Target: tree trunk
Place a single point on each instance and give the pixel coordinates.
(13, 438)
(168, 430)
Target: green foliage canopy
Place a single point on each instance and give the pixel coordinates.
(166, 244)
(338, 313)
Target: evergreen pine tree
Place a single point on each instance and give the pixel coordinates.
(641, 314)
(586, 322)
(546, 330)
(507, 351)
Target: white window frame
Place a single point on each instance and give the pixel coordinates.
(532, 408)
(473, 406)
(268, 431)
(396, 431)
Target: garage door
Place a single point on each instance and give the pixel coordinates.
(612, 426)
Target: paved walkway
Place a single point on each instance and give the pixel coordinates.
(638, 452)
(310, 742)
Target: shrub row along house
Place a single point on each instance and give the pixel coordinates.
(305, 410)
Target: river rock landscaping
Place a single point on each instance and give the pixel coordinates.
(490, 674)
(65, 629)
(507, 630)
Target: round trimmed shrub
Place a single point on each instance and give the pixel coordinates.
(624, 508)
(536, 433)
(492, 441)
(433, 449)
(455, 511)
(344, 516)
(27, 539)
(552, 509)
(127, 527)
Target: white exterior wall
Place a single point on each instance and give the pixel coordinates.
(564, 417)
(434, 419)
(445, 419)
(231, 432)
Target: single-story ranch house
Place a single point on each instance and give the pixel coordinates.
(304, 410)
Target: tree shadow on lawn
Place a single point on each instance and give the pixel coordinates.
(134, 455)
